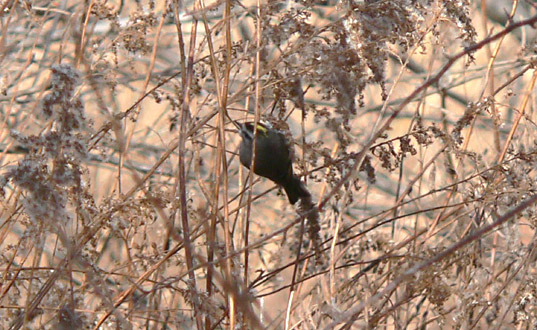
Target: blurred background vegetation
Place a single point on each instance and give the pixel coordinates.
(124, 205)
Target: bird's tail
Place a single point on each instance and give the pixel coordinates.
(295, 189)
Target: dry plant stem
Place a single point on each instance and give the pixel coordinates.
(501, 157)
(125, 148)
(489, 82)
(182, 176)
(140, 181)
(18, 323)
(295, 272)
(488, 79)
(84, 27)
(82, 240)
(257, 105)
(293, 290)
(257, 89)
(25, 71)
(127, 293)
(521, 112)
(419, 178)
(372, 263)
(348, 316)
(211, 239)
(101, 132)
(241, 297)
(301, 235)
(524, 265)
(246, 217)
(124, 144)
(252, 246)
(138, 283)
(221, 134)
(333, 259)
(514, 78)
(489, 76)
(6, 24)
(397, 204)
(441, 213)
(298, 253)
(211, 234)
(38, 250)
(15, 273)
(222, 92)
(363, 272)
(394, 306)
(325, 184)
(9, 218)
(257, 115)
(165, 157)
(386, 221)
(529, 259)
(182, 65)
(106, 127)
(399, 216)
(402, 71)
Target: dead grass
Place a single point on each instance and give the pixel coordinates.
(125, 206)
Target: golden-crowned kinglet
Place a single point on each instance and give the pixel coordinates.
(273, 158)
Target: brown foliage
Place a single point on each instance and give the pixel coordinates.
(124, 204)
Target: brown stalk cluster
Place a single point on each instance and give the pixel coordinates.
(124, 204)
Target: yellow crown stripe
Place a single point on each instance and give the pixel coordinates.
(262, 129)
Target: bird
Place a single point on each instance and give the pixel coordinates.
(273, 157)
